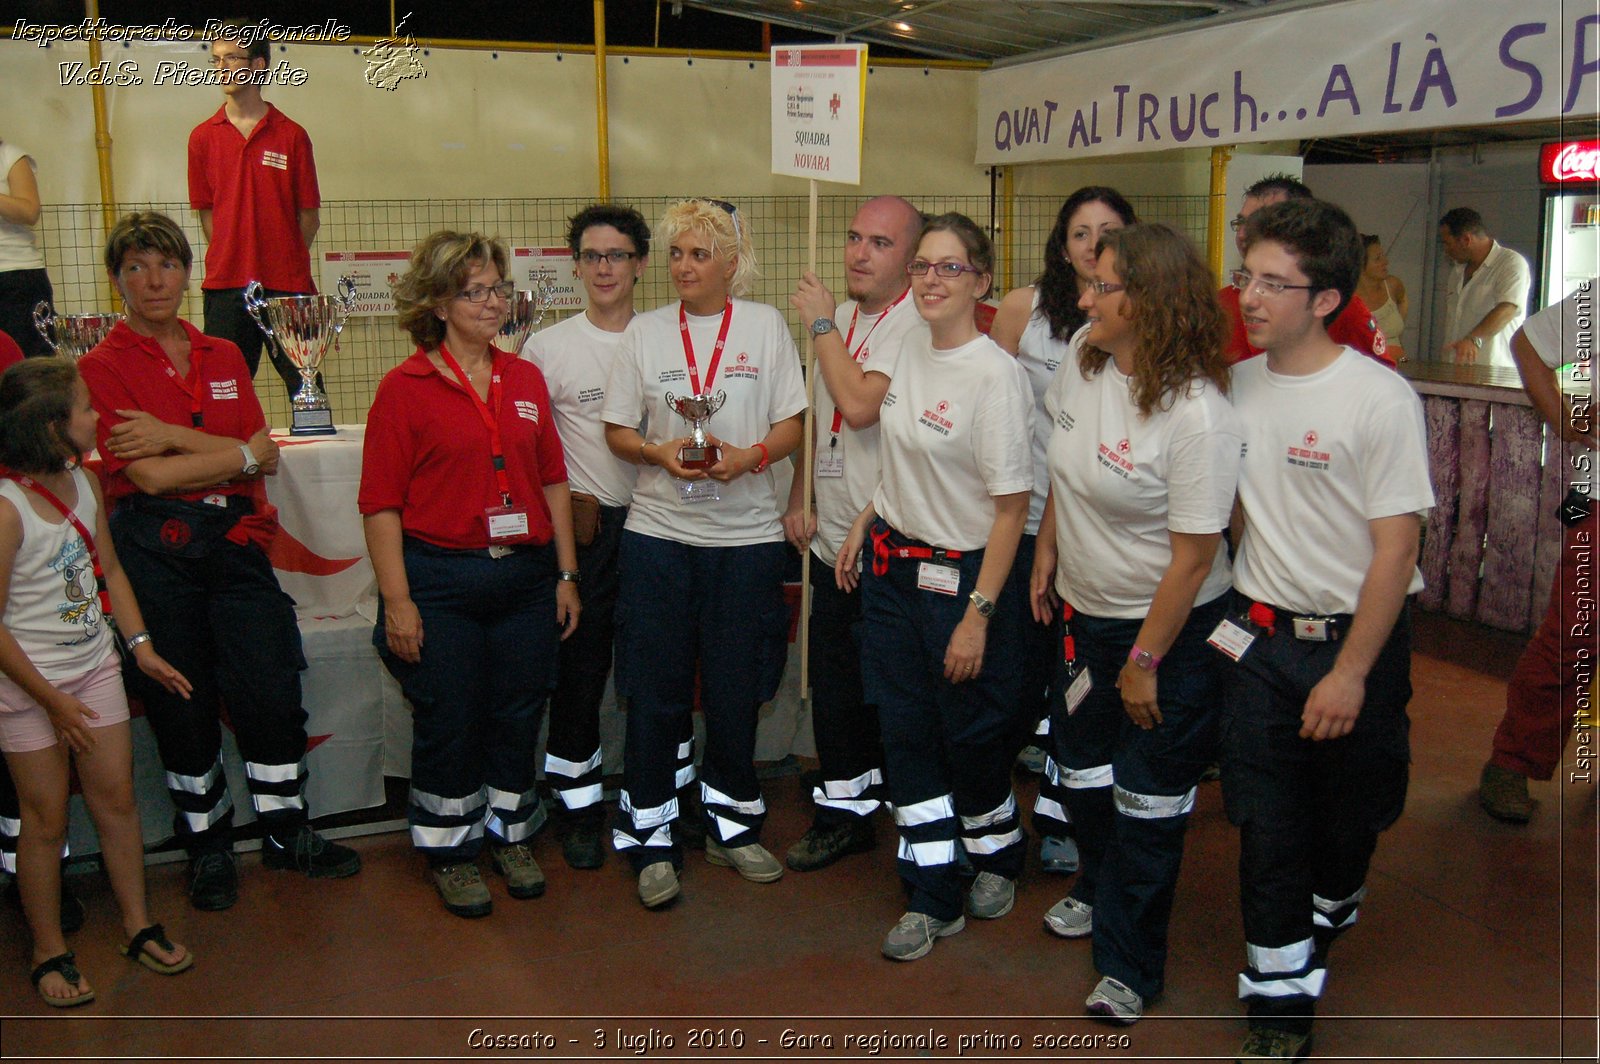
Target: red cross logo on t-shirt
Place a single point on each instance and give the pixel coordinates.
(1311, 439)
(943, 406)
(743, 357)
(1123, 447)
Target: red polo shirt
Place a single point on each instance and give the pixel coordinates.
(1352, 328)
(428, 455)
(128, 371)
(255, 189)
(10, 353)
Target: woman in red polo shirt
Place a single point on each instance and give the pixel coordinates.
(469, 525)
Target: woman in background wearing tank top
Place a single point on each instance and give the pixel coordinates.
(1385, 295)
(23, 282)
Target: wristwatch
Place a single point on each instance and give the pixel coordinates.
(982, 603)
(1477, 341)
(822, 326)
(251, 466)
(1143, 659)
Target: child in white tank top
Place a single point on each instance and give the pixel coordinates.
(60, 676)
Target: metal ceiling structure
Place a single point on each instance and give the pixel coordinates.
(980, 30)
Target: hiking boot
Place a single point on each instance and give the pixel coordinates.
(1269, 1043)
(826, 843)
(913, 936)
(1504, 795)
(1059, 854)
(1070, 918)
(1115, 1001)
(752, 861)
(584, 844)
(524, 878)
(310, 853)
(213, 880)
(658, 884)
(462, 888)
(991, 896)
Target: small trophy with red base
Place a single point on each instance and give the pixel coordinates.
(698, 453)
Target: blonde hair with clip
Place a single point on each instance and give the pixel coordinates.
(727, 232)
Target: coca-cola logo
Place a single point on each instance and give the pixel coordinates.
(1577, 160)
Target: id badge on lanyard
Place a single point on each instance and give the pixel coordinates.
(507, 522)
(692, 492)
(830, 461)
(942, 577)
(1079, 682)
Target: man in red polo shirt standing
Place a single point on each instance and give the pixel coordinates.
(1354, 327)
(254, 181)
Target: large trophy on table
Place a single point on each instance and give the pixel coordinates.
(303, 327)
(72, 335)
(698, 453)
(526, 310)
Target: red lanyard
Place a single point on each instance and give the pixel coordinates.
(196, 418)
(716, 352)
(838, 415)
(77, 526)
(490, 417)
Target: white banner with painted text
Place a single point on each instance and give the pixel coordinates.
(1366, 66)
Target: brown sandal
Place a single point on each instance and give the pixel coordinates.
(64, 965)
(135, 951)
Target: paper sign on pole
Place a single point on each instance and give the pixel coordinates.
(553, 266)
(374, 272)
(819, 99)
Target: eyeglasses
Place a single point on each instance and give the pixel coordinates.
(948, 270)
(1105, 288)
(1263, 287)
(616, 258)
(230, 60)
(1238, 222)
(505, 290)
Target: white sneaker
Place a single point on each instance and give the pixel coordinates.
(1070, 918)
(1115, 1001)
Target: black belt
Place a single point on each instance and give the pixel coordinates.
(1310, 627)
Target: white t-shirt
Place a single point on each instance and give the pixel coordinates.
(1122, 482)
(1564, 332)
(875, 341)
(19, 247)
(760, 374)
(1324, 455)
(1040, 354)
(1503, 278)
(575, 357)
(955, 434)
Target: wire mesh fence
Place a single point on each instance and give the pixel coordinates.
(72, 237)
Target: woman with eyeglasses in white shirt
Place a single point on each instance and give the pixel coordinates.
(942, 609)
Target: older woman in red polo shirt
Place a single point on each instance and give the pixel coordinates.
(469, 524)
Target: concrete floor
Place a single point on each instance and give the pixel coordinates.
(1478, 941)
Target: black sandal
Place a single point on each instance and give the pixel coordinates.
(64, 965)
(135, 951)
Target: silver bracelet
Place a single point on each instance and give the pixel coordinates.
(135, 640)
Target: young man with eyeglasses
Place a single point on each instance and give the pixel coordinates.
(1354, 326)
(253, 180)
(610, 249)
(857, 345)
(1332, 490)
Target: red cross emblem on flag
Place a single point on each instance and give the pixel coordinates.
(943, 406)
(833, 105)
(1311, 439)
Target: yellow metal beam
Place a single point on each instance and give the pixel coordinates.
(601, 102)
(1217, 227)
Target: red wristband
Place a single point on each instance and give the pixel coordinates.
(766, 458)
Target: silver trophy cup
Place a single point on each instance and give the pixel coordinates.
(527, 309)
(698, 453)
(72, 335)
(303, 327)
